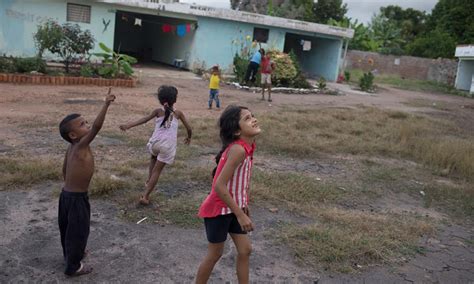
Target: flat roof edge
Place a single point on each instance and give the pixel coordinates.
(239, 16)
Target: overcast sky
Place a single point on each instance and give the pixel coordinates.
(357, 9)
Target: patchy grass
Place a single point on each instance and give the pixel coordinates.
(439, 105)
(205, 132)
(410, 84)
(343, 239)
(182, 210)
(181, 189)
(104, 185)
(456, 199)
(27, 171)
(294, 190)
(137, 141)
(369, 131)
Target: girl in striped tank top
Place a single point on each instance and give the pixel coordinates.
(163, 141)
(225, 210)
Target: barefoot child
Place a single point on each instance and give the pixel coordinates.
(162, 144)
(214, 87)
(74, 209)
(225, 210)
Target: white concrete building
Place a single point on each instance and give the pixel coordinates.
(465, 74)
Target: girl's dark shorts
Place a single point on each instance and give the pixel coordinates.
(218, 227)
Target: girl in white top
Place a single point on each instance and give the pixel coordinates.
(162, 143)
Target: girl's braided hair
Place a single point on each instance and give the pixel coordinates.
(167, 97)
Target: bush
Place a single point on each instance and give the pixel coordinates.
(88, 70)
(285, 70)
(7, 65)
(29, 64)
(322, 84)
(366, 82)
(240, 67)
(115, 63)
(68, 41)
(299, 81)
(347, 76)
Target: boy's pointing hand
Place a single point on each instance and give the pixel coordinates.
(109, 99)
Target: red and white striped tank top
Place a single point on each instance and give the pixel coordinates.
(238, 184)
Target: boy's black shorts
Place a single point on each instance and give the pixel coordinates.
(218, 227)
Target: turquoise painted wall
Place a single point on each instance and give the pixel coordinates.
(19, 20)
(213, 45)
(323, 58)
(213, 42)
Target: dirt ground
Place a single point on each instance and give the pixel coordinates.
(123, 251)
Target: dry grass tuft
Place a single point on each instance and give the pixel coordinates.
(458, 199)
(103, 185)
(294, 190)
(26, 172)
(369, 131)
(343, 239)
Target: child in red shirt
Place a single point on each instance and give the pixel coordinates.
(225, 210)
(266, 76)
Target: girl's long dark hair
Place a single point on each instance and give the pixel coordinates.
(167, 97)
(228, 126)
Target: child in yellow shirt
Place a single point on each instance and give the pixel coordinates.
(214, 87)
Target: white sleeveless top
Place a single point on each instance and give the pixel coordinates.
(168, 132)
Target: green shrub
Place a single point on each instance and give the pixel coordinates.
(88, 70)
(68, 41)
(347, 76)
(6, 65)
(322, 84)
(299, 81)
(29, 64)
(285, 69)
(115, 63)
(366, 82)
(240, 67)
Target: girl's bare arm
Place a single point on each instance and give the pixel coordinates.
(142, 120)
(181, 117)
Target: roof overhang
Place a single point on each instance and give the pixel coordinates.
(239, 16)
(465, 51)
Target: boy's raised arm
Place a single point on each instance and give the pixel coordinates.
(98, 122)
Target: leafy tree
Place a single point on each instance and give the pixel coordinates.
(68, 41)
(434, 44)
(451, 23)
(48, 34)
(363, 36)
(324, 10)
(454, 17)
(388, 34)
(305, 10)
(411, 22)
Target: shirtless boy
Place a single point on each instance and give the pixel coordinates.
(78, 167)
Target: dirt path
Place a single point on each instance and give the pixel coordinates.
(126, 252)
